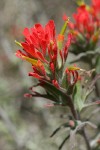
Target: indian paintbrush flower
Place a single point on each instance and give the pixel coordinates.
(47, 52)
(86, 29)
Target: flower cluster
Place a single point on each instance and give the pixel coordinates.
(47, 53)
(96, 9)
(86, 28)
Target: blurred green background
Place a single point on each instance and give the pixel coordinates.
(26, 124)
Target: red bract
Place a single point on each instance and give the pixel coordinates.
(87, 22)
(45, 50)
(72, 75)
(55, 83)
(83, 20)
(96, 8)
(37, 40)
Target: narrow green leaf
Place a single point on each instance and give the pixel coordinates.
(59, 61)
(18, 43)
(65, 125)
(77, 95)
(59, 95)
(64, 27)
(60, 147)
(98, 64)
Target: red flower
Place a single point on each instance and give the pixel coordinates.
(83, 20)
(96, 6)
(55, 83)
(44, 50)
(72, 75)
(87, 24)
(37, 40)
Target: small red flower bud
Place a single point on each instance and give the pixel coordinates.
(65, 17)
(72, 123)
(52, 67)
(27, 95)
(97, 102)
(35, 75)
(55, 83)
(98, 141)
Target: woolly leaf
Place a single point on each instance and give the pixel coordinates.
(77, 95)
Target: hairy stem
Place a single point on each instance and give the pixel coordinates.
(72, 108)
(86, 139)
(83, 133)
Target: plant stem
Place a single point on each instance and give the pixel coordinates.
(86, 139)
(83, 133)
(74, 112)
